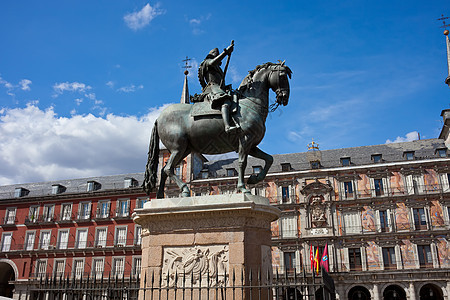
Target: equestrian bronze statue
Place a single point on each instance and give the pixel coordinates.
(202, 127)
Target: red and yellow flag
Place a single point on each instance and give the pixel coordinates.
(316, 261)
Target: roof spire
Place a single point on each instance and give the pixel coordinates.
(446, 32)
(185, 93)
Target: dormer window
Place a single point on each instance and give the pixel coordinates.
(93, 186)
(257, 169)
(286, 167)
(409, 155)
(130, 182)
(20, 192)
(231, 172)
(441, 152)
(58, 189)
(345, 161)
(376, 158)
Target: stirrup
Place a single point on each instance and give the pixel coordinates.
(230, 129)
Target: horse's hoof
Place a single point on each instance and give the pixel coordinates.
(252, 179)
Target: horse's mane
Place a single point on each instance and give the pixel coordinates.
(248, 80)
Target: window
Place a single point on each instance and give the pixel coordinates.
(33, 214)
(137, 262)
(257, 169)
(204, 174)
(179, 171)
(286, 167)
(78, 268)
(100, 237)
(354, 256)
(415, 184)
(384, 222)
(348, 189)
(352, 222)
(63, 239)
(289, 261)
(98, 265)
(66, 212)
(345, 161)
(231, 172)
(10, 217)
(93, 186)
(315, 164)
(389, 258)
(45, 240)
(130, 182)
(289, 227)
(420, 221)
(378, 184)
(118, 266)
(425, 259)
(41, 268)
(58, 270)
(6, 241)
(29, 240)
(122, 208)
(20, 192)
(82, 235)
(48, 212)
(285, 194)
(121, 236)
(376, 158)
(103, 209)
(137, 235)
(84, 211)
(58, 189)
(408, 155)
(141, 202)
(441, 152)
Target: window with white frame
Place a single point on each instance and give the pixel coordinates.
(414, 184)
(44, 242)
(6, 241)
(384, 220)
(84, 211)
(66, 212)
(352, 222)
(29, 240)
(121, 236)
(137, 235)
(82, 235)
(445, 179)
(78, 267)
(10, 216)
(379, 186)
(59, 267)
(122, 208)
(33, 214)
(41, 267)
(63, 239)
(100, 237)
(137, 261)
(389, 260)
(118, 266)
(420, 218)
(425, 257)
(48, 212)
(289, 226)
(103, 209)
(140, 202)
(289, 261)
(285, 195)
(98, 265)
(347, 190)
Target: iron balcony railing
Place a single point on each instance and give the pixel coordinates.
(9, 221)
(31, 220)
(122, 213)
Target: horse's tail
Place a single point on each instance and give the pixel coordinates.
(151, 169)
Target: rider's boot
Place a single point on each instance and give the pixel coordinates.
(226, 118)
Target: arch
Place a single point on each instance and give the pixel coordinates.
(394, 292)
(358, 292)
(8, 272)
(430, 291)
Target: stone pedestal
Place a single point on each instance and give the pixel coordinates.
(209, 235)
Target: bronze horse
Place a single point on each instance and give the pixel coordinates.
(182, 133)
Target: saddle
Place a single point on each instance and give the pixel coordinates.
(202, 106)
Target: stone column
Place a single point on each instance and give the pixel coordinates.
(412, 291)
(376, 292)
(203, 235)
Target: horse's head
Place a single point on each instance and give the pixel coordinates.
(279, 81)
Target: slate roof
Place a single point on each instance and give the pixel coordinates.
(424, 149)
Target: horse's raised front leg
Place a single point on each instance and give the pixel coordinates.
(258, 153)
(243, 154)
(175, 158)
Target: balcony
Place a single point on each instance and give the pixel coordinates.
(122, 213)
(285, 234)
(83, 217)
(9, 221)
(284, 200)
(65, 218)
(40, 220)
(102, 215)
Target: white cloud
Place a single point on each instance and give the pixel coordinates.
(142, 18)
(37, 145)
(78, 101)
(196, 23)
(62, 87)
(130, 88)
(110, 84)
(25, 84)
(409, 137)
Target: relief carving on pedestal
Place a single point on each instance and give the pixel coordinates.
(198, 263)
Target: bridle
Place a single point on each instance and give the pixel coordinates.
(278, 90)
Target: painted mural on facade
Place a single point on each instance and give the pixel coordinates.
(373, 256)
(407, 249)
(396, 184)
(271, 192)
(364, 188)
(368, 219)
(275, 228)
(436, 214)
(431, 181)
(276, 259)
(443, 252)
(402, 217)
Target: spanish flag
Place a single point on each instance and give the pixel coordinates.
(316, 260)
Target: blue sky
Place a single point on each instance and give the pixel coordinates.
(82, 82)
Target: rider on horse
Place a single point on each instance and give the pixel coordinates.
(212, 80)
